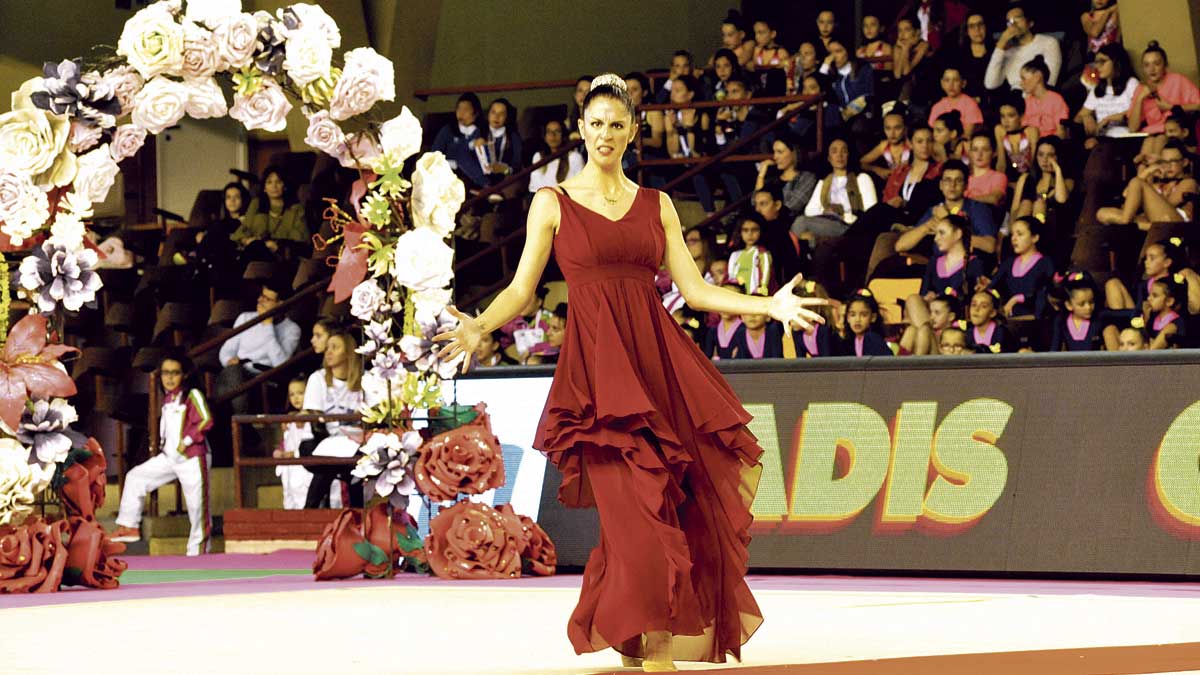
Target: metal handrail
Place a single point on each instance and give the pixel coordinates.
(516, 177)
(216, 342)
(265, 375)
(424, 94)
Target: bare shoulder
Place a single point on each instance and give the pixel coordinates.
(543, 210)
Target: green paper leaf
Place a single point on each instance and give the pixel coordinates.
(409, 540)
(417, 566)
(370, 552)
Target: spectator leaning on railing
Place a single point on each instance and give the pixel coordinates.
(259, 348)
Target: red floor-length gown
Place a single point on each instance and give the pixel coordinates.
(643, 427)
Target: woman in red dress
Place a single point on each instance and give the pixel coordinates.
(639, 422)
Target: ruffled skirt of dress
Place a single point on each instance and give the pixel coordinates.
(643, 427)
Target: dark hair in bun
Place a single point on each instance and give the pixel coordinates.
(609, 85)
(1153, 47)
(734, 18)
(952, 120)
(1038, 64)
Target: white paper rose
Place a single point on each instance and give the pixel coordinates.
(83, 136)
(96, 175)
(366, 79)
(205, 99)
(266, 109)
(366, 299)
(199, 52)
(67, 230)
(212, 12)
(307, 56)
(19, 481)
(360, 151)
(23, 207)
(430, 303)
(127, 139)
(160, 104)
(124, 83)
(423, 261)
(34, 143)
(313, 17)
(325, 135)
(152, 42)
(437, 194)
(235, 38)
(401, 136)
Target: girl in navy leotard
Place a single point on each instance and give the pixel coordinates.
(1074, 329)
(820, 340)
(864, 327)
(1024, 279)
(1165, 313)
(1160, 259)
(986, 335)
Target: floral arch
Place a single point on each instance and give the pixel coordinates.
(60, 146)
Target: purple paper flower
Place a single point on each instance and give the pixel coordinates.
(387, 465)
(64, 92)
(45, 430)
(54, 274)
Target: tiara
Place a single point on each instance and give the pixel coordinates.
(608, 79)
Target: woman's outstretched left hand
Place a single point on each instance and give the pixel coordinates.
(788, 308)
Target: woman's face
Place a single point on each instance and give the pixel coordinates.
(681, 94)
(941, 134)
(976, 29)
(296, 395)
(1172, 129)
(839, 155)
(870, 28)
(750, 233)
(905, 31)
(922, 144)
(983, 308)
(273, 186)
(825, 24)
(1131, 340)
(1022, 239)
(811, 87)
(1047, 156)
(582, 88)
(946, 236)
(464, 112)
(608, 129)
(783, 155)
(981, 153)
(695, 243)
(1082, 303)
(893, 129)
(940, 315)
(723, 68)
(952, 83)
(320, 339)
(556, 329)
(171, 373)
(859, 317)
(840, 56)
(1104, 67)
(808, 56)
(1158, 298)
(754, 321)
(1030, 80)
(335, 352)
(497, 115)
(1153, 67)
(553, 135)
(719, 269)
(1010, 119)
(487, 346)
(763, 35)
(731, 37)
(233, 201)
(1156, 262)
(636, 93)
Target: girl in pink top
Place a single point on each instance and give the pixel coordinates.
(1159, 92)
(1044, 109)
(955, 99)
(986, 184)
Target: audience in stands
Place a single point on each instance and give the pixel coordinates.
(558, 169)
(838, 199)
(1017, 46)
(274, 219)
(335, 389)
(583, 85)
(735, 39)
(261, 347)
(459, 139)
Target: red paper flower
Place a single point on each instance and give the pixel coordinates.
(377, 528)
(465, 460)
(29, 368)
(537, 552)
(474, 541)
(33, 556)
(82, 491)
(336, 557)
(89, 561)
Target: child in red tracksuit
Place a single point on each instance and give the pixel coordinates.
(182, 454)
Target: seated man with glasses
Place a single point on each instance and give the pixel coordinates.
(260, 348)
(953, 184)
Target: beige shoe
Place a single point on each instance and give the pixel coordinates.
(126, 534)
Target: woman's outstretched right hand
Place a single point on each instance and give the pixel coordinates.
(462, 340)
